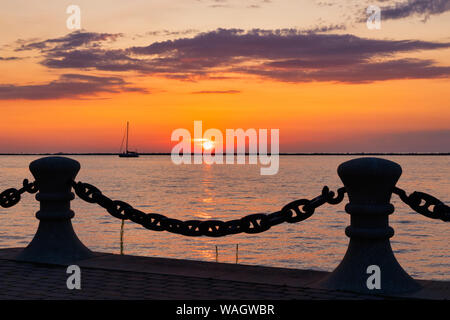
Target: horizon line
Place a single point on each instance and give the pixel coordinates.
(235, 154)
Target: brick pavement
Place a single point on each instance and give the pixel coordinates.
(126, 277)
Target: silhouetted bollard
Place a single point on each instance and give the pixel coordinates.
(369, 183)
(55, 240)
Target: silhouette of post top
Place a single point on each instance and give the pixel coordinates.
(53, 176)
(55, 240)
(369, 183)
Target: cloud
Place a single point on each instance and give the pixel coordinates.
(294, 71)
(9, 58)
(415, 7)
(166, 32)
(290, 55)
(67, 86)
(327, 28)
(97, 58)
(69, 41)
(231, 44)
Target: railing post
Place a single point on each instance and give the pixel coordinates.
(55, 240)
(369, 183)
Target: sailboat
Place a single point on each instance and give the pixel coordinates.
(127, 153)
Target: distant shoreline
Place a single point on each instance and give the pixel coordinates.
(281, 154)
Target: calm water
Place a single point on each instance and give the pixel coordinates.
(154, 184)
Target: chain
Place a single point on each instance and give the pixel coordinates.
(414, 200)
(10, 197)
(295, 211)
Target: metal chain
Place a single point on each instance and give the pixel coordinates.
(295, 211)
(10, 197)
(414, 200)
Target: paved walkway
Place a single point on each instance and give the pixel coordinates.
(108, 276)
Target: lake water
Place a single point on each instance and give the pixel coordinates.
(154, 184)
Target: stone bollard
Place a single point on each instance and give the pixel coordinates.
(369, 183)
(55, 240)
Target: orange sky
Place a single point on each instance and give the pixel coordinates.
(318, 115)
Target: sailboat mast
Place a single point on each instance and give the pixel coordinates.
(127, 137)
(126, 153)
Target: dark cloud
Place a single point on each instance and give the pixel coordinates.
(290, 55)
(415, 7)
(328, 28)
(170, 32)
(231, 44)
(305, 71)
(9, 58)
(70, 41)
(67, 86)
(100, 59)
(285, 55)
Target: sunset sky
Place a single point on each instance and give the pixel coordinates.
(311, 69)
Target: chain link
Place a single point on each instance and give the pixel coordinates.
(421, 203)
(295, 211)
(10, 197)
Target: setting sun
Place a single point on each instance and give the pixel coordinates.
(208, 145)
(205, 143)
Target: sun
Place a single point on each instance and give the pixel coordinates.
(208, 145)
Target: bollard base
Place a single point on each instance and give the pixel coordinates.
(55, 242)
(353, 273)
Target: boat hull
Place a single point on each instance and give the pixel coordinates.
(129, 155)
